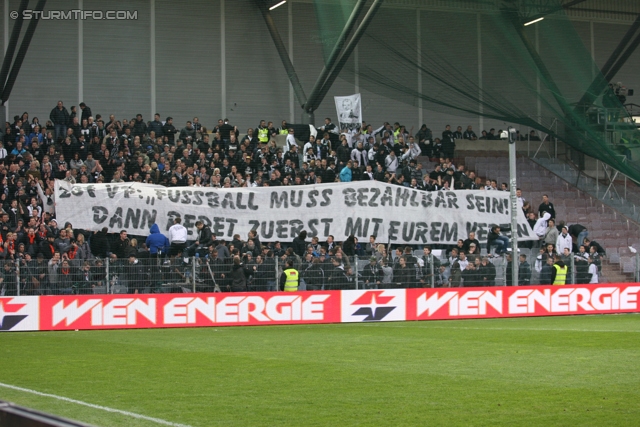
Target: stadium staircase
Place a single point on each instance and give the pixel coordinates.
(611, 222)
(616, 226)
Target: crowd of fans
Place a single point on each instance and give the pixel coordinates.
(42, 256)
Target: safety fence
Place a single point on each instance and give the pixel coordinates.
(138, 275)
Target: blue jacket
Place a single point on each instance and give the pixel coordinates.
(156, 240)
(345, 174)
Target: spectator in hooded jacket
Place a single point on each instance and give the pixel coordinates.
(99, 243)
(540, 227)
(299, 245)
(156, 241)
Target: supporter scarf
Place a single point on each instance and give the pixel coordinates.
(32, 239)
(65, 270)
(72, 253)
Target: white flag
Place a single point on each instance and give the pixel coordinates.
(349, 110)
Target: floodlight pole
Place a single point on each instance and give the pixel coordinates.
(514, 205)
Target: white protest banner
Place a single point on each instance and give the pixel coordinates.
(393, 213)
(349, 109)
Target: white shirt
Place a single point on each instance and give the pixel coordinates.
(563, 242)
(360, 156)
(306, 147)
(391, 162)
(593, 270)
(291, 140)
(177, 234)
(540, 228)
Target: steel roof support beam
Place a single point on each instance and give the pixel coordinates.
(334, 56)
(22, 52)
(13, 42)
(314, 103)
(282, 51)
(623, 59)
(601, 82)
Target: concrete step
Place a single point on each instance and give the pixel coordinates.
(611, 274)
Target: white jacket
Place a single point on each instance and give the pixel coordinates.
(563, 242)
(540, 229)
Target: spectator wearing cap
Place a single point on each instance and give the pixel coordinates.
(473, 252)
(470, 240)
(47, 247)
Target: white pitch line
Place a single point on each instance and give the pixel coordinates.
(91, 405)
(397, 325)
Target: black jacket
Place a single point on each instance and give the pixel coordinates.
(329, 175)
(299, 246)
(524, 274)
(488, 274)
(86, 113)
(139, 128)
(471, 278)
(205, 236)
(372, 274)
(239, 277)
(120, 247)
(546, 274)
(99, 244)
(169, 131)
(59, 116)
(404, 277)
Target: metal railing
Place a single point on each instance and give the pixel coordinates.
(201, 274)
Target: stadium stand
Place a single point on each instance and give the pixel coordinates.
(40, 256)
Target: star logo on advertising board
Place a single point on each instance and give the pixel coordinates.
(373, 305)
(19, 313)
(8, 317)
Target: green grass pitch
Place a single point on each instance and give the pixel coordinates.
(582, 370)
